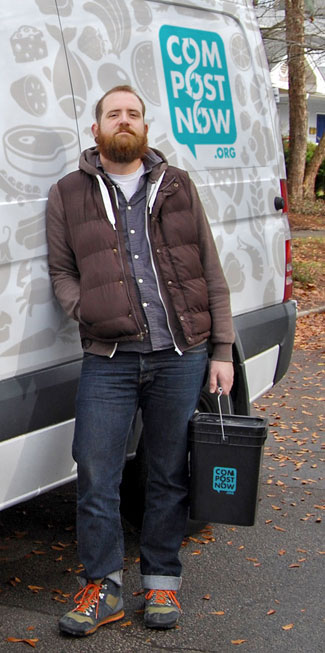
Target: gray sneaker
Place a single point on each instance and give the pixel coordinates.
(161, 609)
(98, 603)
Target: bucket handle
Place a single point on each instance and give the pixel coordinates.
(224, 438)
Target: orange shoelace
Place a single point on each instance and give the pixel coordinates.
(162, 596)
(86, 597)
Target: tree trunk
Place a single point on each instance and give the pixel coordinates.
(312, 169)
(295, 36)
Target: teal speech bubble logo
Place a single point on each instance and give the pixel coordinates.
(198, 88)
(224, 479)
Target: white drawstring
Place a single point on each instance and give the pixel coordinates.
(153, 192)
(107, 201)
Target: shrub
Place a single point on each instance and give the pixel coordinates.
(320, 179)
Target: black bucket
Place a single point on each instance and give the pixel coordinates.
(225, 459)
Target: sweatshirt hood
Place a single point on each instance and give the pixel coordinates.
(154, 162)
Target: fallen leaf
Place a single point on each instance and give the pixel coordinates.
(282, 552)
(14, 581)
(196, 553)
(238, 641)
(125, 624)
(271, 612)
(207, 597)
(287, 627)
(218, 612)
(35, 588)
(59, 600)
(30, 642)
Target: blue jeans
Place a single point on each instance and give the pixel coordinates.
(166, 387)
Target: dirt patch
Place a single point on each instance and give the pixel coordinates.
(299, 221)
(309, 216)
(308, 256)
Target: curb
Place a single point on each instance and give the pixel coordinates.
(309, 311)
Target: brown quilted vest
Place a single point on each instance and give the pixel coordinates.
(108, 300)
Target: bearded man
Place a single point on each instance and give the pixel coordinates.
(133, 260)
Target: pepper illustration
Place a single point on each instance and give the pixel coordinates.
(79, 74)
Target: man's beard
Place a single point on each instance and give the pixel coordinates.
(122, 149)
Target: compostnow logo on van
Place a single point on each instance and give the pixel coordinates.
(198, 88)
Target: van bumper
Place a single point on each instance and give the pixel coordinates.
(262, 350)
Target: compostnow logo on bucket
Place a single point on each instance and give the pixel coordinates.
(225, 479)
(198, 88)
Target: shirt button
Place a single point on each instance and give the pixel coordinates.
(140, 280)
(145, 304)
(181, 317)
(132, 231)
(129, 208)
(136, 256)
(169, 283)
(121, 282)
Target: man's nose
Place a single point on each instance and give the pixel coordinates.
(124, 118)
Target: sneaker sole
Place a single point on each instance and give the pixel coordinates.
(77, 633)
(161, 626)
(169, 627)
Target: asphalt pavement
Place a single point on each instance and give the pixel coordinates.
(259, 589)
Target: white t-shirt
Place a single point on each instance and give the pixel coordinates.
(128, 183)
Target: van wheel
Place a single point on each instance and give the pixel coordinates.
(135, 472)
(132, 493)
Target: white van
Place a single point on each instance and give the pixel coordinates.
(201, 69)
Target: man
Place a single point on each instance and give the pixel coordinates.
(132, 258)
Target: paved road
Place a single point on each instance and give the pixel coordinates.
(262, 586)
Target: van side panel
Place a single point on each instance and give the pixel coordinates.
(39, 144)
(202, 72)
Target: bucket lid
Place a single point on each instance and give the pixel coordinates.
(210, 422)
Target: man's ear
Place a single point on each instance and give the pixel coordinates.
(94, 129)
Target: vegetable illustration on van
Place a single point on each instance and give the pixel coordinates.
(202, 72)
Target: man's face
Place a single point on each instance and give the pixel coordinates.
(121, 135)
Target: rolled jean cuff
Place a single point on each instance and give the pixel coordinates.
(116, 577)
(151, 582)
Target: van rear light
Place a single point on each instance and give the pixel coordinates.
(284, 195)
(288, 271)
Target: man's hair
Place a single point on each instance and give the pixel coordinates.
(124, 88)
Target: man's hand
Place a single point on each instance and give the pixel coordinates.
(221, 375)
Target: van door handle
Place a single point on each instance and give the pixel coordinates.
(279, 203)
